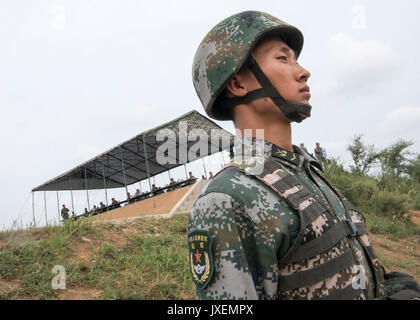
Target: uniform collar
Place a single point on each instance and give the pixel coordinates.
(294, 158)
(257, 147)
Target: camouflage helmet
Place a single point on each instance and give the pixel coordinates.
(226, 48)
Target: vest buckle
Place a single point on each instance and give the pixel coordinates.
(351, 228)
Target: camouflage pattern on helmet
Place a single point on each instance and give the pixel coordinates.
(227, 46)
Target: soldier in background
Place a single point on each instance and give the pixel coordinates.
(283, 231)
(64, 212)
(319, 153)
(302, 146)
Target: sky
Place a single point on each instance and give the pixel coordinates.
(79, 77)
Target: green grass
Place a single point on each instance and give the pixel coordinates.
(153, 264)
(392, 227)
(32, 261)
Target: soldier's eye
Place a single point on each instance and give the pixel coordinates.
(282, 58)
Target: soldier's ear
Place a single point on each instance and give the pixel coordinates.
(236, 87)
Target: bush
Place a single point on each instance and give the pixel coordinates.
(358, 189)
(389, 196)
(403, 185)
(391, 204)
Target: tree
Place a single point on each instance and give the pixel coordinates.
(395, 159)
(414, 169)
(364, 156)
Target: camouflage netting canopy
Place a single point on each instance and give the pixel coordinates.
(136, 159)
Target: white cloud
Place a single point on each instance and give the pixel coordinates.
(351, 62)
(356, 57)
(400, 119)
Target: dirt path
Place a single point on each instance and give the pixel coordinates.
(402, 255)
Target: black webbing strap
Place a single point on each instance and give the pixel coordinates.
(266, 90)
(312, 212)
(298, 197)
(269, 168)
(351, 228)
(319, 245)
(378, 272)
(250, 96)
(285, 183)
(347, 293)
(316, 274)
(263, 80)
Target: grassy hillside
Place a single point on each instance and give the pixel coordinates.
(143, 259)
(140, 259)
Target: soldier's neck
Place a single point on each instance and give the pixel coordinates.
(275, 130)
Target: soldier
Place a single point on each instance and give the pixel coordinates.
(269, 225)
(319, 153)
(64, 212)
(302, 146)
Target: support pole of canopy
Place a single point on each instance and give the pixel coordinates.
(103, 174)
(71, 194)
(205, 172)
(87, 192)
(185, 168)
(223, 158)
(147, 163)
(122, 162)
(33, 207)
(169, 174)
(45, 207)
(147, 168)
(58, 200)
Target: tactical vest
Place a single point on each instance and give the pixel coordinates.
(320, 264)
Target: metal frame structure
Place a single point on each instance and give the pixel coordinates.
(135, 159)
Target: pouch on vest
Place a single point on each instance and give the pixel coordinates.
(401, 286)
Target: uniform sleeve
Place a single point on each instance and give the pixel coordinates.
(244, 259)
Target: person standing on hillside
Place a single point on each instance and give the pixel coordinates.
(319, 153)
(269, 225)
(302, 147)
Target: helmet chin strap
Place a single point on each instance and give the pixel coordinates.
(292, 110)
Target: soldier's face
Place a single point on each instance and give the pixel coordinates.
(278, 62)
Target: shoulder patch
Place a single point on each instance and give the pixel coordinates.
(201, 257)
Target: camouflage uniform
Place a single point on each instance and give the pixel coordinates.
(65, 213)
(253, 229)
(319, 154)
